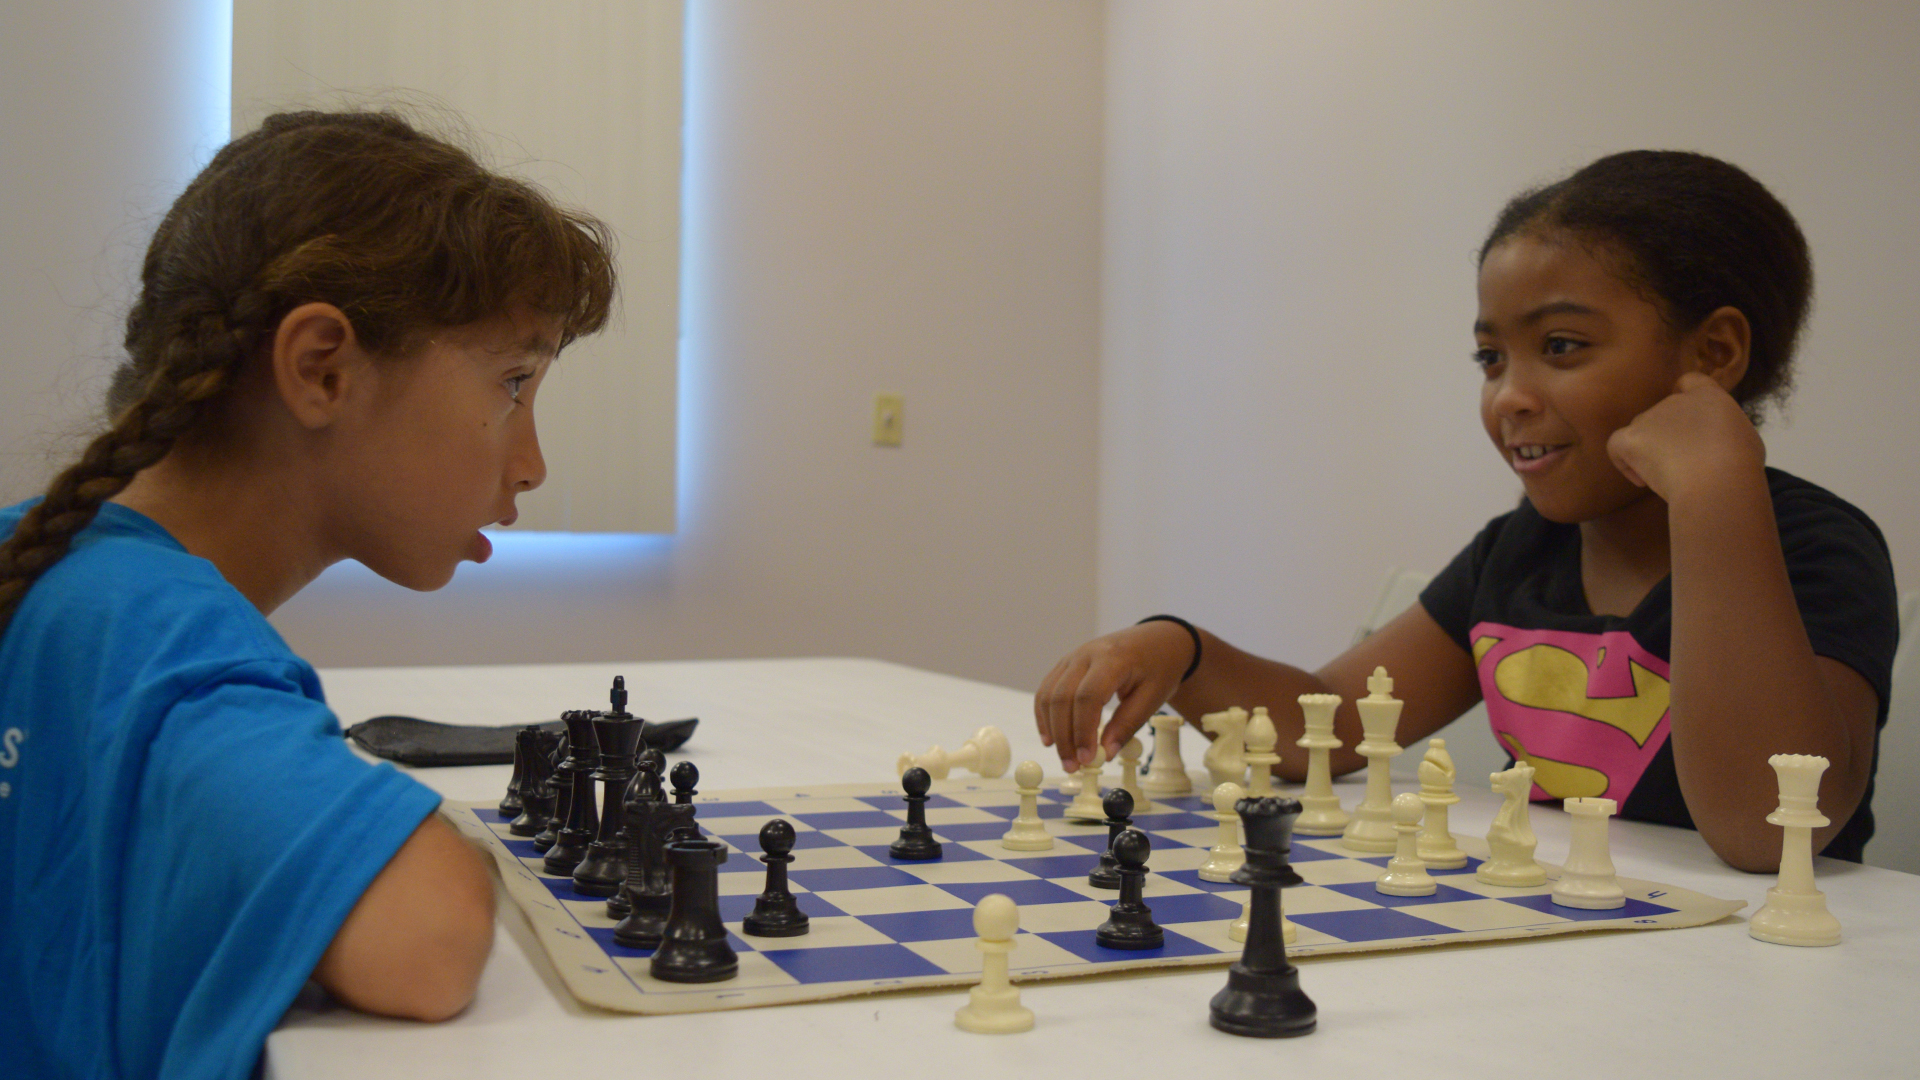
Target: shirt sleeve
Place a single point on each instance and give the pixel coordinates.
(255, 833)
(1842, 576)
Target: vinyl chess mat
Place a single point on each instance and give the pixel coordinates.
(879, 924)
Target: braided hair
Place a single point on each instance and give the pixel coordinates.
(1693, 234)
(404, 232)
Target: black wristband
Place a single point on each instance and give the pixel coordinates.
(1191, 632)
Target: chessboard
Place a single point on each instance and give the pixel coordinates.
(878, 924)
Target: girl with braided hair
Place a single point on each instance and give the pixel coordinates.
(341, 329)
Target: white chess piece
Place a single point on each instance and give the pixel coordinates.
(1167, 776)
(1510, 841)
(987, 754)
(1371, 829)
(1795, 912)
(1028, 833)
(1130, 775)
(1406, 875)
(1086, 806)
(1586, 879)
(1227, 855)
(993, 1007)
(1320, 813)
(1437, 848)
(1226, 758)
(1260, 758)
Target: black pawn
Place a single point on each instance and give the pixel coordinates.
(1262, 997)
(685, 776)
(694, 948)
(1118, 805)
(562, 781)
(916, 843)
(511, 805)
(1130, 925)
(776, 913)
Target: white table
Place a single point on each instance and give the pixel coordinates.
(1703, 1002)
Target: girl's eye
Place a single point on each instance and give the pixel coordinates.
(515, 383)
(1485, 359)
(1560, 346)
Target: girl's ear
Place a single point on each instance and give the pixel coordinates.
(1721, 347)
(315, 360)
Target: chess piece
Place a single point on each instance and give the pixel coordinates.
(1371, 829)
(1586, 879)
(1510, 841)
(537, 794)
(1118, 806)
(511, 804)
(564, 766)
(1437, 848)
(1237, 929)
(635, 841)
(1086, 805)
(694, 947)
(1259, 756)
(1406, 875)
(1028, 833)
(993, 1007)
(1262, 997)
(1167, 776)
(987, 754)
(617, 734)
(916, 842)
(775, 912)
(1796, 912)
(1320, 814)
(1130, 775)
(1130, 924)
(685, 778)
(1225, 759)
(649, 884)
(1227, 855)
(583, 821)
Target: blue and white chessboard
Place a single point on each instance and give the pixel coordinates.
(879, 924)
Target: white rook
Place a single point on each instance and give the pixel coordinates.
(1795, 912)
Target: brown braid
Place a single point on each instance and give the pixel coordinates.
(403, 232)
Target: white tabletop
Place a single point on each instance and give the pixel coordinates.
(1707, 1001)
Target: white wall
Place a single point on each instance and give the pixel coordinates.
(1294, 196)
(881, 196)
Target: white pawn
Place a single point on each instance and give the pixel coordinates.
(1795, 912)
(1371, 829)
(1437, 848)
(1130, 775)
(1260, 757)
(1586, 880)
(1226, 758)
(1086, 805)
(1510, 840)
(1406, 875)
(987, 754)
(993, 1007)
(1029, 833)
(1320, 808)
(1227, 854)
(1237, 930)
(1167, 775)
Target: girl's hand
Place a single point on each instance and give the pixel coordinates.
(1696, 436)
(1141, 665)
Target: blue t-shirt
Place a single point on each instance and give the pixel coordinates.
(182, 828)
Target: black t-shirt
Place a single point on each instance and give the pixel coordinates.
(1583, 697)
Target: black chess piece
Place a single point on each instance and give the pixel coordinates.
(511, 805)
(1130, 925)
(694, 946)
(564, 766)
(583, 819)
(916, 843)
(775, 912)
(604, 866)
(1118, 804)
(1262, 997)
(633, 837)
(537, 793)
(649, 889)
(685, 775)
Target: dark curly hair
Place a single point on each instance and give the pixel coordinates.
(1693, 234)
(402, 231)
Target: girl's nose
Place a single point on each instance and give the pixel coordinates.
(529, 466)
